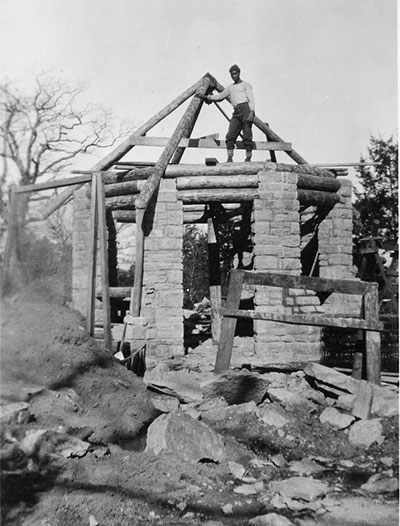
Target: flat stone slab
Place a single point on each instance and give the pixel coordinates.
(330, 377)
(356, 511)
(335, 418)
(190, 439)
(303, 488)
(365, 432)
(174, 383)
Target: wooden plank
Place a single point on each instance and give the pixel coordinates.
(237, 195)
(71, 181)
(372, 338)
(317, 320)
(208, 143)
(228, 325)
(104, 263)
(154, 180)
(229, 181)
(345, 286)
(92, 255)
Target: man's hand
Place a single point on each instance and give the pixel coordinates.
(250, 116)
(204, 97)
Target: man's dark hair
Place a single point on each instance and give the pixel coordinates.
(235, 67)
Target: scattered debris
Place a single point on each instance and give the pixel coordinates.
(270, 519)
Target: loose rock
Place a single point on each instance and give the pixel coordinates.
(366, 432)
(179, 433)
(335, 418)
(303, 488)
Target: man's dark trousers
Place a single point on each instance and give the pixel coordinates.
(239, 123)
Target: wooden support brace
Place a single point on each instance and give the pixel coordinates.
(228, 325)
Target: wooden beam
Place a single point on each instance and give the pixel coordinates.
(104, 263)
(153, 182)
(317, 197)
(208, 143)
(58, 202)
(372, 337)
(130, 187)
(217, 195)
(53, 184)
(318, 320)
(345, 286)
(116, 292)
(124, 148)
(11, 240)
(240, 168)
(92, 263)
(229, 181)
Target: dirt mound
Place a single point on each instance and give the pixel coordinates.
(49, 358)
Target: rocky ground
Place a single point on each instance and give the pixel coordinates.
(86, 442)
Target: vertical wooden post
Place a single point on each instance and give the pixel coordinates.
(228, 325)
(11, 241)
(214, 278)
(136, 293)
(105, 290)
(91, 289)
(357, 366)
(372, 338)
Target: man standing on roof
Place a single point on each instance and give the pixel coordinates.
(241, 96)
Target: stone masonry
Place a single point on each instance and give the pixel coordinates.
(163, 274)
(276, 231)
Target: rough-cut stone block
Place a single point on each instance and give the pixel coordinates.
(190, 439)
(303, 488)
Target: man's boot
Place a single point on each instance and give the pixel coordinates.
(248, 157)
(230, 156)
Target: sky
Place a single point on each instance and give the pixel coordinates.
(324, 72)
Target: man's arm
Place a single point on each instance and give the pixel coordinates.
(250, 96)
(219, 96)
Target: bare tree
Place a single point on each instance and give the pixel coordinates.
(44, 131)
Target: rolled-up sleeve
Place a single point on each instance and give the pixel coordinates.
(250, 96)
(220, 96)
